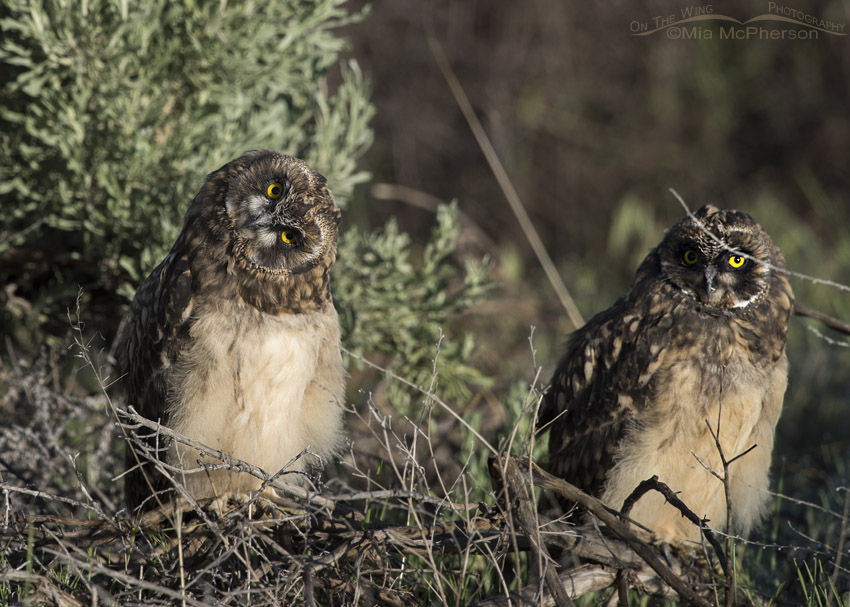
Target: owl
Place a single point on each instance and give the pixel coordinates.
(698, 341)
(233, 339)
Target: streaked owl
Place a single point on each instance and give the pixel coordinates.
(233, 339)
(698, 338)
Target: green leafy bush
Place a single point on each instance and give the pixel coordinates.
(396, 307)
(113, 112)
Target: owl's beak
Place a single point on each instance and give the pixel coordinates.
(710, 274)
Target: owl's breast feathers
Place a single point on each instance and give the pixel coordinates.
(618, 364)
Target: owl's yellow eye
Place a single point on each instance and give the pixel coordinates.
(274, 191)
(690, 257)
(287, 236)
(736, 261)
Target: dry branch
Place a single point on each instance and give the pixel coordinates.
(831, 322)
(308, 547)
(508, 482)
(653, 484)
(326, 552)
(620, 529)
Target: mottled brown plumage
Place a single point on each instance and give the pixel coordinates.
(701, 330)
(233, 339)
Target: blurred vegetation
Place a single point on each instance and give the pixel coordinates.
(112, 113)
(395, 307)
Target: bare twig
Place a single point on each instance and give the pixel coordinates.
(546, 481)
(227, 461)
(799, 309)
(726, 478)
(427, 202)
(831, 322)
(812, 279)
(504, 472)
(653, 484)
(839, 551)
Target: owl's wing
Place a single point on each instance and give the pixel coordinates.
(604, 377)
(161, 316)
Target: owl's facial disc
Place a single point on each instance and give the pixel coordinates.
(716, 277)
(276, 233)
(722, 274)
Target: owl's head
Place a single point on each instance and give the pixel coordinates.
(269, 221)
(282, 216)
(721, 259)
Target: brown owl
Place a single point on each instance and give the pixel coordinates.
(699, 336)
(233, 339)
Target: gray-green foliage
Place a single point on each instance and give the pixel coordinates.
(113, 112)
(394, 306)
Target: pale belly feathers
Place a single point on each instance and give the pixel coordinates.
(261, 389)
(673, 441)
